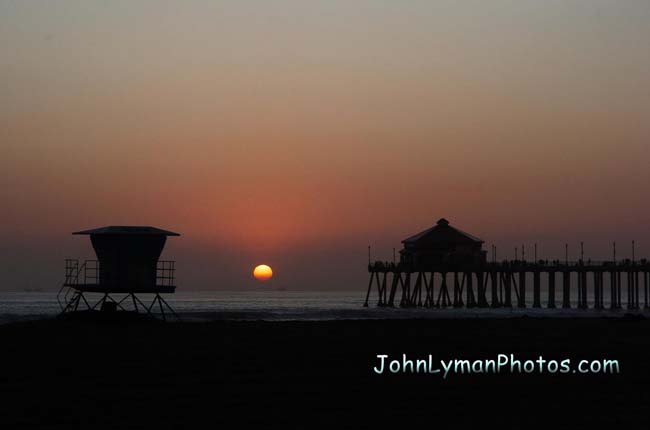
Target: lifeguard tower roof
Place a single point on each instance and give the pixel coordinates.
(123, 230)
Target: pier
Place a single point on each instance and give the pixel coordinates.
(599, 285)
(445, 267)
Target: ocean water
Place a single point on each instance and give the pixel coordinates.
(283, 305)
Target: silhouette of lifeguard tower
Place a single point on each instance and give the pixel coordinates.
(127, 265)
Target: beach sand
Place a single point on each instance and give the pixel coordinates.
(59, 374)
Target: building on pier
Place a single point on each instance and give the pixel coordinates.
(442, 244)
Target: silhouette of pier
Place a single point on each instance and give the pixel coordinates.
(445, 267)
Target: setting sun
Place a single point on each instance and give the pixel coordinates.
(262, 272)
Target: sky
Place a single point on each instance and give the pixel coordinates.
(297, 133)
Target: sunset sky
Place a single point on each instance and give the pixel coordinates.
(297, 133)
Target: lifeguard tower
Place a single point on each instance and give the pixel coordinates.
(127, 265)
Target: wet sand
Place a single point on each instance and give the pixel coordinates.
(58, 374)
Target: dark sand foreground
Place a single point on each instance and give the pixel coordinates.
(59, 374)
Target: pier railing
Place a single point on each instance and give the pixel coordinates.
(542, 265)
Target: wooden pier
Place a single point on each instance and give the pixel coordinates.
(612, 285)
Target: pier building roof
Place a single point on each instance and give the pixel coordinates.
(442, 233)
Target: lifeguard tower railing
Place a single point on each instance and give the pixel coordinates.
(87, 276)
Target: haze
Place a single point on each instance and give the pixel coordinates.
(296, 133)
